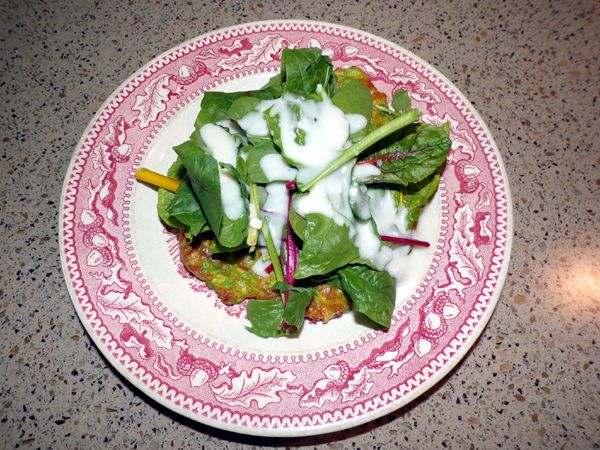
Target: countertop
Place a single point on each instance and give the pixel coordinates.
(532, 70)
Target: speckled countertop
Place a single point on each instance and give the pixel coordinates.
(533, 72)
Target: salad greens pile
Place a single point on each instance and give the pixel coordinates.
(248, 177)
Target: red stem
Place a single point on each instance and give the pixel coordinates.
(269, 268)
(405, 241)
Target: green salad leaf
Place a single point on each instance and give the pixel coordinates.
(176, 171)
(204, 173)
(327, 247)
(373, 292)
(185, 208)
(415, 157)
(354, 98)
(416, 196)
(303, 69)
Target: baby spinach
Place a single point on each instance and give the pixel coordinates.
(176, 171)
(242, 106)
(412, 159)
(373, 292)
(203, 172)
(214, 107)
(268, 317)
(255, 154)
(354, 98)
(297, 302)
(185, 208)
(305, 68)
(327, 247)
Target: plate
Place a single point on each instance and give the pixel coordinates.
(171, 337)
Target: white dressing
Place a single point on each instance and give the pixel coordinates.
(221, 145)
(363, 171)
(325, 130)
(254, 123)
(260, 266)
(329, 197)
(356, 122)
(275, 168)
(231, 196)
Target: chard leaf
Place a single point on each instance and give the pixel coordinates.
(373, 292)
(266, 317)
(354, 98)
(412, 159)
(186, 209)
(327, 246)
(176, 171)
(303, 69)
(401, 102)
(416, 196)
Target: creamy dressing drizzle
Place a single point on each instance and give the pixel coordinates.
(326, 132)
(356, 122)
(275, 168)
(325, 127)
(231, 196)
(220, 144)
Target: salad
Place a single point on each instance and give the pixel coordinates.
(302, 196)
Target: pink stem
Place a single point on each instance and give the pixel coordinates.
(269, 268)
(405, 241)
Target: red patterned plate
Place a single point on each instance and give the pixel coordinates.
(171, 337)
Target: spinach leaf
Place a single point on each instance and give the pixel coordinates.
(273, 89)
(305, 68)
(298, 224)
(265, 317)
(185, 208)
(255, 154)
(416, 196)
(203, 171)
(298, 300)
(327, 246)
(233, 232)
(242, 106)
(214, 107)
(354, 98)
(273, 126)
(177, 171)
(373, 292)
(401, 102)
(415, 157)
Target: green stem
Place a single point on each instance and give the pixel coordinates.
(356, 149)
(272, 251)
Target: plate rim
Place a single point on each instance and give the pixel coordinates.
(311, 429)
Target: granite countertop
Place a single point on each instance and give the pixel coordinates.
(532, 70)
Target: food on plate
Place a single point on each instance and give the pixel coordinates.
(302, 196)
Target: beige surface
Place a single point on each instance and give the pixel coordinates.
(533, 73)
